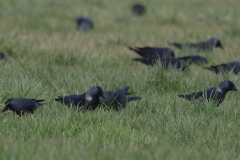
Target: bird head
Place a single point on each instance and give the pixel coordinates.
(95, 91)
(227, 86)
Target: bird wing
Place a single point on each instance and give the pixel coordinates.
(178, 45)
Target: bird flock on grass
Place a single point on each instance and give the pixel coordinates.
(118, 99)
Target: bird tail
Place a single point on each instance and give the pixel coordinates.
(137, 50)
(213, 69)
(126, 90)
(59, 99)
(186, 58)
(185, 96)
(144, 61)
(133, 98)
(38, 100)
(182, 96)
(5, 108)
(130, 93)
(178, 45)
(209, 68)
(131, 48)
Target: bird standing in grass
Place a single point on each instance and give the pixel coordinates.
(217, 94)
(201, 46)
(84, 23)
(21, 105)
(117, 99)
(4, 57)
(90, 99)
(234, 66)
(138, 9)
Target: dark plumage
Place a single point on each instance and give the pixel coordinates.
(117, 99)
(4, 57)
(194, 59)
(149, 52)
(165, 61)
(201, 46)
(89, 99)
(138, 9)
(232, 66)
(21, 105)
(84, 23)
(217, 94)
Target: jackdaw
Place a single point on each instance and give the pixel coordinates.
(194, 59)
(138, 9)
(84, 23)
(165, 62)
(201, 46)
(118, 99)
(232, 66)
(21, 105)
(217, 94)
(149, 52)
(4, 57)
(89, 99)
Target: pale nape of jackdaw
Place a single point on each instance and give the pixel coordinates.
(89, 99)
(21, 105)
(84, 23)
(201, 46)
(4, 57)
(165, 62)
(194, 59)
(217, 94)
(221, 68)
(118, 99)
(138, 9)
(149, 52)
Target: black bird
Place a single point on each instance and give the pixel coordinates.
(201, 46)
(89, 99)
(21, 105)
(165, 62)
(117, 99)
(149, 52)
(217, 94)
(232, 66)
(4, 57)
(194, 59)
(84, 23)
(138, 9)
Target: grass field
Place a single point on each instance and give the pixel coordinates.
(50, 58)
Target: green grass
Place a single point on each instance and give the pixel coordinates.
(50, 58)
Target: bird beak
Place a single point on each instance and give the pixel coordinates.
(102, 96)
(234, 88)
